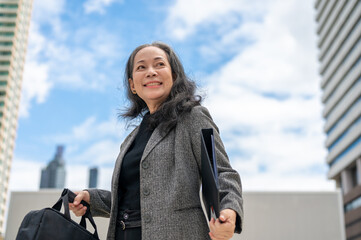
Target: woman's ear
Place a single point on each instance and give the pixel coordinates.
(131, 84)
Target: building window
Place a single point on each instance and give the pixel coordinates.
(4, 73)
(353, 205)
(3, 83)
(6, 43)
(348, 149)
(357, 82)
(7, 24)
(5, 53)
(354, 176)
(11, 15)
(8, 5)
(341, 186)
(350, 129)
(7, 34)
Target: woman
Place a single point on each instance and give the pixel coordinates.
(156, 179)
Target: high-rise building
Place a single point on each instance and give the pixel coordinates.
(14, 26)
(339, 42)
(93, 177)
(53, 176)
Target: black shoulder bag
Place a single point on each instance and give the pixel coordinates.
(50, 223)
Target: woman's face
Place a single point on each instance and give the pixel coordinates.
(152, 76)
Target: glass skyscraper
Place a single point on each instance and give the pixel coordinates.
(93, 177)
(339, 42)
(14, 26)
(53, 176)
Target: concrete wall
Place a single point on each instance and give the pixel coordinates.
(268, 215)
(293, 216)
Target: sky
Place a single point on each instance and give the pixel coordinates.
(255, 63)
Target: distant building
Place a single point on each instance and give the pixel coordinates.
(14, 26)
(53, 176)
(339, 32)
(93, 177)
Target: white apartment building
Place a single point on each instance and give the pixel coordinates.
(14, 26)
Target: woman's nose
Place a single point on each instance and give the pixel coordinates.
(151, 72)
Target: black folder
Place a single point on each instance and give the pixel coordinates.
(210, 188)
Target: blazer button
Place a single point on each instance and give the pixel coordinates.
(147, 218)
(145, 165)
(146, 192)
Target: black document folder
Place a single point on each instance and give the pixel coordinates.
(210, 189)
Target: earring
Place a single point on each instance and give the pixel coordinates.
(134, 92)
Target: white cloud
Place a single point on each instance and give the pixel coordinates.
(51, 60)
(36, 84)
(44, 10)
(276, 48)
(48, 13)
(100, 153)
(25, 175)
(272, 125)
(98, 6)
(186, 15)
(88, 64)
(282, 59)
(82, 62)
(92, 130)
(78, 177)
(91, 143)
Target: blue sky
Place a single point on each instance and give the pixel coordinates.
(255, 62)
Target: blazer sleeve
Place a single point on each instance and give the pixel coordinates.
(100, 202)
(229, 179)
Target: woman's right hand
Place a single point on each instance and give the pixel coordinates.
(78, 208)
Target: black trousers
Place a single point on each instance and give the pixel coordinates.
(128, 225)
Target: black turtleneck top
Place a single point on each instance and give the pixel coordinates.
(129, 180)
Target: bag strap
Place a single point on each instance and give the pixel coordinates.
(67, 197)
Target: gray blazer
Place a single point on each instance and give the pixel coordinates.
(170, 182)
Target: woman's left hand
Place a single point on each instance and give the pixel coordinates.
(223, 227)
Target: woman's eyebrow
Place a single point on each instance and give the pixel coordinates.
(140, 61)
(156, 58)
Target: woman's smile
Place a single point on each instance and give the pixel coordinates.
(152, 84)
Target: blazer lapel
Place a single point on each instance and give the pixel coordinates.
(118, 164)
(156, 137)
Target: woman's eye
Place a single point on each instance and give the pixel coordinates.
(160, 64)
(140, 67)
